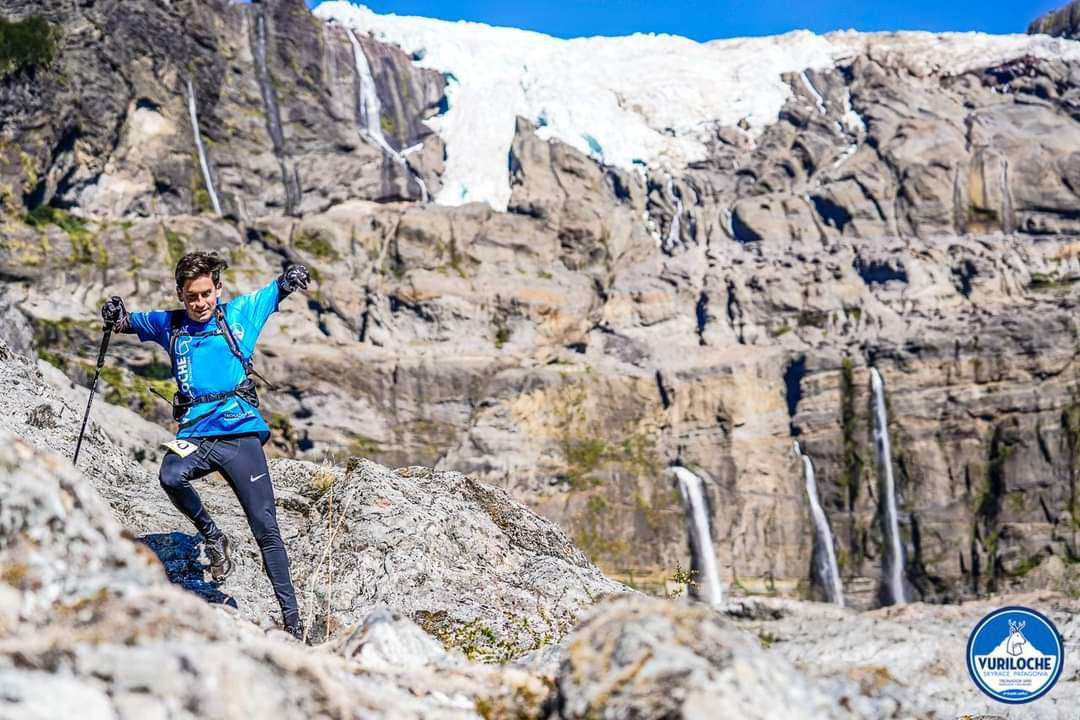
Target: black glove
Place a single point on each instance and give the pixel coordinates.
(293, 279)
(116, 315)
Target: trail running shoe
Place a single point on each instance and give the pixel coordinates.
(297, 631)
(217, 552)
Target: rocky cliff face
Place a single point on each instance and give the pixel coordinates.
(1063, 22)
(910, 208)
(108, 127)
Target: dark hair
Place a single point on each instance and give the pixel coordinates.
(197, 264)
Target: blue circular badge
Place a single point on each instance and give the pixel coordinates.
(1015, 655)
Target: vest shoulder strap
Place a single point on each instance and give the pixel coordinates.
(234, 347)
(176, 324)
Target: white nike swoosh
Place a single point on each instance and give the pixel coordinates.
(260, 475)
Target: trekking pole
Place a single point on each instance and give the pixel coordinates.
(93, 387)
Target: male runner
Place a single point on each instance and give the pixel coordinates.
(210, 343)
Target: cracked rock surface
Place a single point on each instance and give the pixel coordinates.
(91, 625)
(911, 209)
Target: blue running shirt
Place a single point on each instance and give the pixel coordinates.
(203, 362)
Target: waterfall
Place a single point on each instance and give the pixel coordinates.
(370, 106)
(692, 490)
(370, 110)
(193, 111)
(1006, 198)
(818, 100)
(894, 573)
(676, 221)
(289, 176)
(825, 553)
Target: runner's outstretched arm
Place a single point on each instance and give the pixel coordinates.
(153, 325)
(259, 305)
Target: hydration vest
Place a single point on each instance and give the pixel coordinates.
(246, 390)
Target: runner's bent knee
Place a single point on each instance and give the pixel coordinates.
(173, 474)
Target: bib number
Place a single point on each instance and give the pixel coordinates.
(183, 448)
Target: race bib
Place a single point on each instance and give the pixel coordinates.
(183, 448)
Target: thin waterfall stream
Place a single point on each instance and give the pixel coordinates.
(371, 112)
(825, 552)
(289, 176)
(207, 178)
(693, 494)
(894, 569)
(676, 221)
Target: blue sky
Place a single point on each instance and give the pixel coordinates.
(705, 20)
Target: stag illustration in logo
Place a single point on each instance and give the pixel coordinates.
(1015, 645)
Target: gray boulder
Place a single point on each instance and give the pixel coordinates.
(388, 641)
(651, 658)
(90, 627)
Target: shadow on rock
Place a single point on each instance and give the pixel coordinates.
(179, 553)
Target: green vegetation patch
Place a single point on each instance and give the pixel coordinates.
(1027, 565)
(852, 467)
(587, 446)
(584, 456)
(502, 331)
(813, 318)
(687, 578)
(982, 216)
(67, 335)
(86, 247)
(282, 433)
(992, 490)
(592, 535)
(1042, 281)
(476, 641)
(453, 259)
(200, 194)
(388, 124)
(280, 422)
(782, 329)
(29, 171)
(26, 44)
(314, 242)
(175, 246)
(657, 513)
(363, 446)
(139, 394)
(154, 370)
(1070, 422)
(430, 439)
(71, 345)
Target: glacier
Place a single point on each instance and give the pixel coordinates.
(646, 99)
